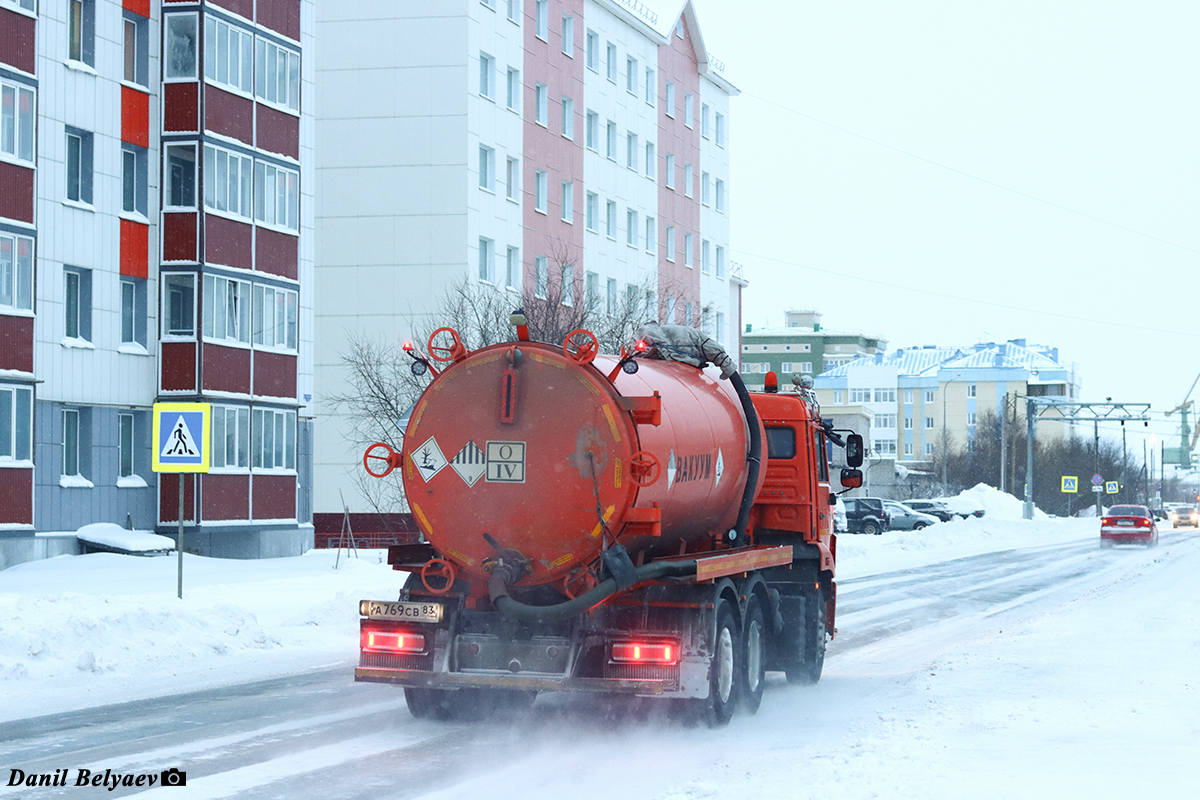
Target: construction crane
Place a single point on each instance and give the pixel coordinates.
(1182, 455)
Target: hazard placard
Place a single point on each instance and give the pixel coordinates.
(181, 437)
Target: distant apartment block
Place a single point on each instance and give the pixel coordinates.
(801, 347)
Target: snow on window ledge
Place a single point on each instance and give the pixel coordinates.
(131, 482)
(74, 482)
(72, 341)
(133, 349)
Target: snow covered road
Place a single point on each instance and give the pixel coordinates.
(973, 661)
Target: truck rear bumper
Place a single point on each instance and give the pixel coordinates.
(463, 680)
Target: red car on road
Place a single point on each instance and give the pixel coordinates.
(1128, 525)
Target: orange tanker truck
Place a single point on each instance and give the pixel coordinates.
(636, 524)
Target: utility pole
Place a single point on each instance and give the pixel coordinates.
(1099, 495)
(1003, 440)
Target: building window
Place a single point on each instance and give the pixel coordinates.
(568, 118)
(860, 395)
(592, 131)
(928, 449)
(568, 202)
(16, 272)
(611, 140)
(631, 227)
(487, 76)
(785, 367)
(670, 312)
(885, 421)
(688, 112)
(273, 439)
(514, 11)
(133, 311)
(651, 93)
(928, 395)
(228, 55)
(539, 191)
(227, 181)
(567, 284)
(837, 397)
(181, 47)
(134, 179)
(512, 179)
(512, 268)
(971, 390)
(631, 75)
(179, 191)
(568, 35)
(971, 417)
(908, 395)
(487, 262)
(592, 210)
(631, 151)
(591, 295)
(651, 235)
(81, 31)
(669, 177)
(720, 261)
(277, 196)
(719, 130)
(670, 243)
(885, 395)
(230, 437)
(651, 161)
(908, 449)
(908, 423)
(79, 165)
(806, 366)
(124, 445)
(278, 73)
(720, 326)
(687, 250)
(513, 93)
(541, 276)
(610, 297)
(16, 423)
(179, 304)
(610, 219)
(226, 309)
(746, 368)
(705, 265)
(704, 126)
(593, 51)
(720, 192)
(687, 315)
(670, 99)
(885, 447)
(611, 63)
(705, 189)
(74, 443)
(687, 180)
(16, 121)
(541, 16)
(929, 423)
(541, 104)
(77, 303)
(487, 162)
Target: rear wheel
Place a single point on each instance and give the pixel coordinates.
(918, 526)
(871, 528)
(717, 708)
(812, 655)
(753, 672)
(466, 703)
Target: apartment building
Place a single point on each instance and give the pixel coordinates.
(155, 245)
(801, 347)
(577, 150)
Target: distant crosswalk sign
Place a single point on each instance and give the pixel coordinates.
(1112, 487)
(1070, 483)
(181, 437)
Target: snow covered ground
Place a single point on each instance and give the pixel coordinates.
(948, 679)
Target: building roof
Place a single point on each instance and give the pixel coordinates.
(922, 362)
(655, 19)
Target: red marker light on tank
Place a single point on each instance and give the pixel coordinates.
(640, 346)
(408, 346)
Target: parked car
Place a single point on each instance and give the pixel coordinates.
(866, 515)
(839, 516)
(1184, 514)
(934, 507)
(1128, 525)
(962, 506)
(904, 518)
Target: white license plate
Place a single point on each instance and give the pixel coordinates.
(1124, 523)
(399, 610)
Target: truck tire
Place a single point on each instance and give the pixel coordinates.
(808, 670)
(871, 528)
(430, 703)
(717, 709)
(752, 675)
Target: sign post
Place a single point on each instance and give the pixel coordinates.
(1070, 486)
(182, 444)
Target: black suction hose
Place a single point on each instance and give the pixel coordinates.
(498, 591)
(754, 459)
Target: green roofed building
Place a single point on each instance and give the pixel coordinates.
(801, 347)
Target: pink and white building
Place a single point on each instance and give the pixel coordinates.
(501, 140)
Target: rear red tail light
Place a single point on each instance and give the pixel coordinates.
(1143, 523)
(1106, 521)
(645, 652)
(393, 641)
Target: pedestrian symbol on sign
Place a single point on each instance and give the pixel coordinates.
(180, 441)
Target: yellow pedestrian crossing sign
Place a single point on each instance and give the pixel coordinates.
(1112, 487)
(1070, 483)
(181, 437)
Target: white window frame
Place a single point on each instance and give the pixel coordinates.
(224, 446)
(265, 174)
(541, 276)
(267, 58)
(487, 168)
(219, 180)
(218, 34)
(670, 99)
(651, 87)
(71, 450)
(275, 318)
(512, 268)
(487, 260)
(512, 179)
(631, 75)
(610, 219)
(689, 113)
(568, 35)
(651, 161)
(540, 190)
(669, 176)
(16, 272)
(181, 30)
(651, 234)
(670, 244)
(687, 180)
(541, 20)
(591, 210)
(541, 104)
(610, 65)
(631, 224)
(168, 182)
(687, 250)
(568, 118)
(592, 54)
(227, 318)
(568, 202)
(513, 92)
(487, 76)
(167, 280)
(280, 421)
(18, 429)
(592, 131)
(18, 128)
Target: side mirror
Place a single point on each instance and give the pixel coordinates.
(852, 478)
(854, 452)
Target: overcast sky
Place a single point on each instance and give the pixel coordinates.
(950, 173)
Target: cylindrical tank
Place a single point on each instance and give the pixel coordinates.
(536, 456)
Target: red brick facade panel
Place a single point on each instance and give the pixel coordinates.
(277, 253)
(16, 194)
(168, 498)
(178, 365)
(281, 16)
(274, 496)
(17, 40)
(179, 236)
(135, 117)
(229, 114)
(180, 107)
(274, 374)
(278, 132)
(224, 497)
(226, 369)
(16, 496)
(16, 343)
(135, 249)
(139, 7)
(228, 242)
(243, 8)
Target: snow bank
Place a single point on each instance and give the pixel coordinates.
(995, 503)
(108, 534)
(77, 631)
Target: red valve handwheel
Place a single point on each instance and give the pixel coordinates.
(581, 352)
(644, 468)
(381, 452)
(438, 568)
(446, 353)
